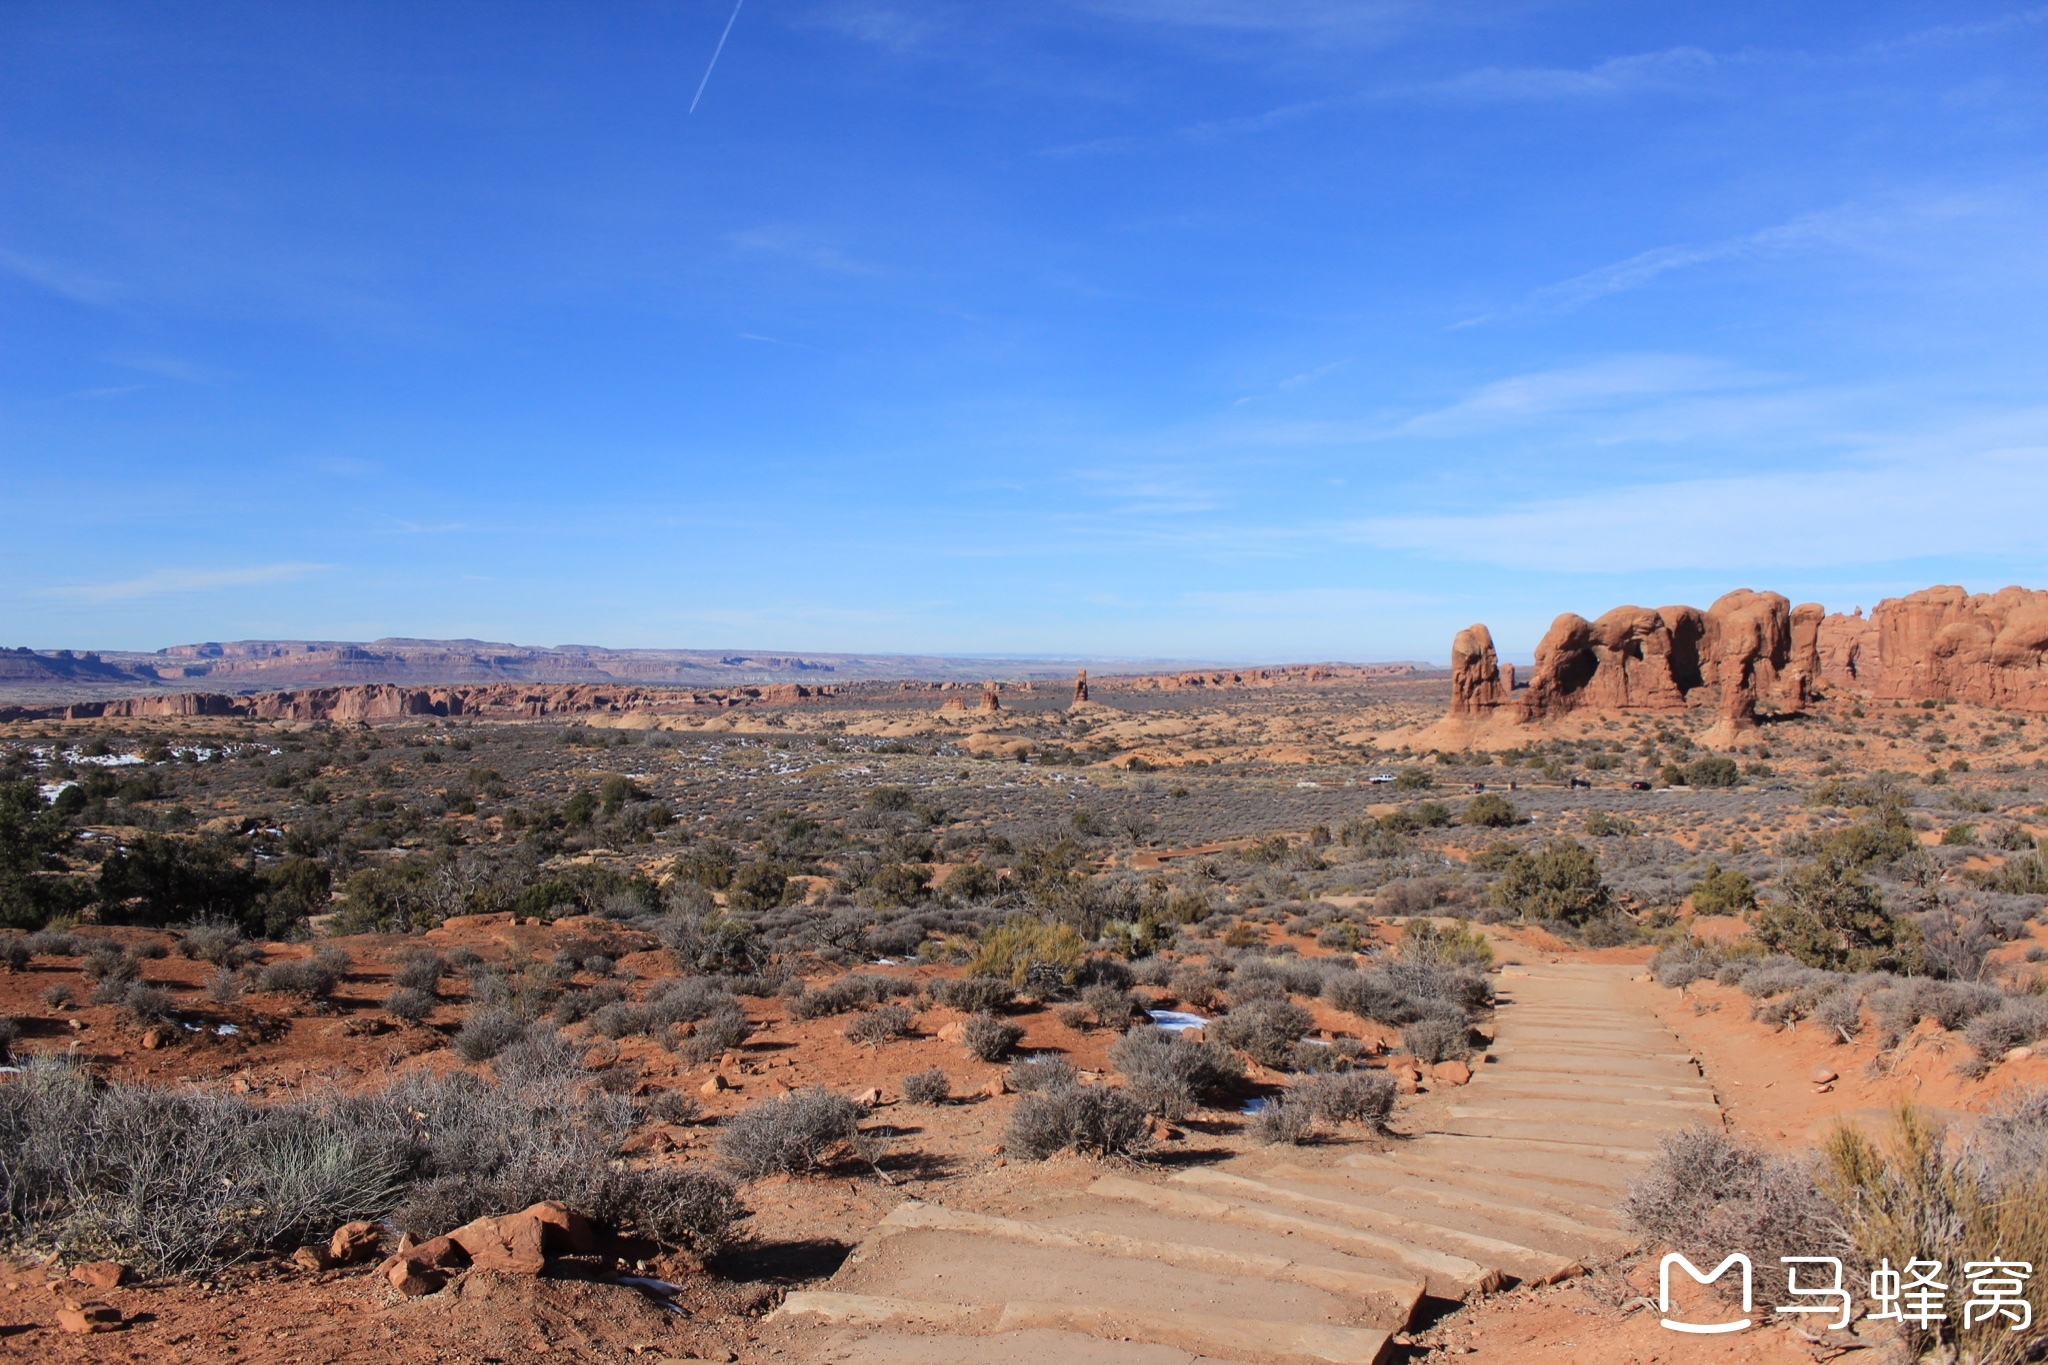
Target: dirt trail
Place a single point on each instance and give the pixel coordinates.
(1295, 1255)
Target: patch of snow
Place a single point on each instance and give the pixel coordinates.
(1176, 1021)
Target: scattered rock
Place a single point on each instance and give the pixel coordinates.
(311, 1258)
(352, 1242)
(1452, 1073)
(953, 1032)
(1161, 1131)
(514, 1244)
(563, 1230)
(153, 1038)
(2018, 1054)
(411, 1278)
(90, 1317)
(1823, 1074)
(869, 1097)
(713, 1086)
(100, 1274)
(995, 1088)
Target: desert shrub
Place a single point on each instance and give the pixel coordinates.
(1950, 1004)
(1559, 882)
(1959, 836)
(309, 978)
(1437, 1040)
(1918, 1194)
(882, 1024)
(1028, 952)
(790, 1134)
(1169, 1074)
(176, 1180)
(989, 1038)
(485, 1034)
(673, 1106)
(976, 994)
(1080, 1118)
(1841, 1013)
(1195, 985)
(1456, 945)
(14, 953)
(1266, 1031)
(1346, 1097)
(1832, 917)
(851, 992)
(1110, 1006)
(224, 988)
(1489, 811)
(1601, 824)
(2022, 877)
(712, 941)
(1279, 1123)
(408, 1004)
(2016, 1023)
(59, 995)
(10, 1033)
(927, 1087)
(1341, 937)
(1712, 771)
(49, 943)
(217, 942)
(1706, 1192)
(420, 971)
(723, 1030)
(1041, 1071)
(1723, 892)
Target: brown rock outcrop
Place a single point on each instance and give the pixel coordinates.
(1479, 684)
(1848, 649)
(1631, 659)
(1945, 644)
(1080, 686)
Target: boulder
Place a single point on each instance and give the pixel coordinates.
(563, 1230)
(514, 1244)
(714, 1085)
(868, 1098)
(100, 1274)
(85, 1318)
(311, 1258)
(411, 1277)
(1823, 1073)
(352, 1242)
(1451, 1073)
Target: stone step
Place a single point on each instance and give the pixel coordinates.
(1446, 1276)
(1519, 1091)
(1574, 1083)
(1545, 1157)
(1662, 1115)
(1389, 1294)
(1384, 1302)
(1529, 1264)
(1548, 1190)
(1515, 1216)
(883, 1346)
(1279, 1342)
(1640, 1142)
(969, 1266)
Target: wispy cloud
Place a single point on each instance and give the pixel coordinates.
(1600, 385)
(174, 582)
(1676, 68)
(1912, 500)
(799, 246)
(59, 278)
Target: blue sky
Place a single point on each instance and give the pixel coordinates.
(1257, 329)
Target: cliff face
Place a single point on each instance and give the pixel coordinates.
(1943, 643)
(1748, 648)
(385, 701)
(1753, 650)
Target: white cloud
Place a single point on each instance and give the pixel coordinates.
(1672, 69)
(174, 582)
(1960, 494)
(1597, 386)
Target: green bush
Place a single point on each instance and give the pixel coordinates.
(1830, 917)
(1561, 881)
(1723, 892)
(1713, 771)
(1490, 811)
(1024, 950)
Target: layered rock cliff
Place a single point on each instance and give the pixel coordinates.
(1755, 650)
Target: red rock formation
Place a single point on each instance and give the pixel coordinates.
(1478, 683)
(1080, 686)
(991, 699)
(1848, 650)
(1747, 653)
(1944, 644)
(384, 702)
(1629, 660)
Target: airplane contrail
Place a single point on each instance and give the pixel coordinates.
(714, 55)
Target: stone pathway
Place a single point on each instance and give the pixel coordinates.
(1276, 1257)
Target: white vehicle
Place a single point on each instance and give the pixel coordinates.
(1380, 777)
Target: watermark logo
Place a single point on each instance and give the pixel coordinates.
(1915, 1294)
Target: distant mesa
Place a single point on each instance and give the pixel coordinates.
(1752, 651)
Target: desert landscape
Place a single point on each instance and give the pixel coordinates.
(1317, 1013)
